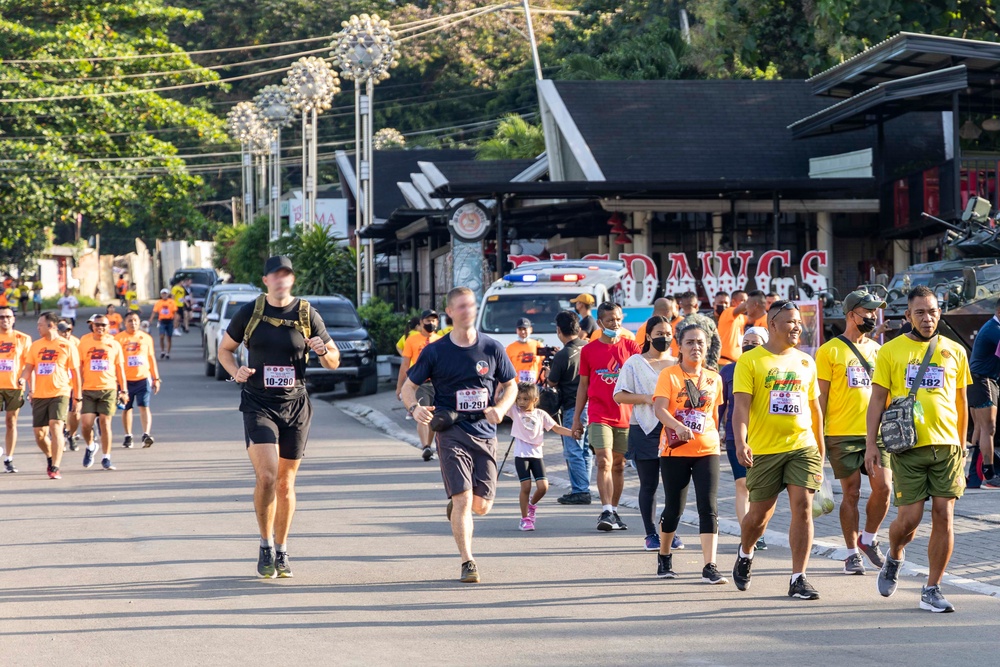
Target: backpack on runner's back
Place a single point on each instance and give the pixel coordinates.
(302, 324)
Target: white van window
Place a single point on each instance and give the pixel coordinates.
(502, 311)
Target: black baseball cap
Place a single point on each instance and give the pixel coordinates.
(523, 322)
(277, 263)
(429, 313)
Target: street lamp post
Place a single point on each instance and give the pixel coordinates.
(365, 51)
(275, 110)
(311, 84)
(243, 124)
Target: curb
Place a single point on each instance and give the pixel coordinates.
(380, 422)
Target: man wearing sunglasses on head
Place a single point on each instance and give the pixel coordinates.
(778, 426)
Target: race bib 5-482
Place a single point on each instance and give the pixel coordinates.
(933, 376)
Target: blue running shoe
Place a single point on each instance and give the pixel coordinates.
(676, 544)
(88, 457)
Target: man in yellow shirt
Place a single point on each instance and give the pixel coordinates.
(142, 377)
(523, 353)
(778, 426)
(734, 321)
(13, 353)
(50, 369)
(164, 312)
(412, 347)
(934, 467)
(102, 374)
(845, 389)
(179, 294)
(132, 298)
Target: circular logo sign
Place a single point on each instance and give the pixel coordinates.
(470, 222)
(482, 368)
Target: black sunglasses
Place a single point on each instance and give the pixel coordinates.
(779, 306)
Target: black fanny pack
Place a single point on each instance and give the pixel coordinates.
(445, 419)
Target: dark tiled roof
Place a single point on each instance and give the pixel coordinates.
(482, 171)
(702, 130)
(394, 166)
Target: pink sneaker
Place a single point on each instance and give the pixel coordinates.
(527, 524)
(531, 511)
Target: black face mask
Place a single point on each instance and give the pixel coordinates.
(919, 336)
(719, 310)
(747, 348)
(660, 343)
(867, 325)
(429, 328)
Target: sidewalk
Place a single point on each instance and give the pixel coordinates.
(975, 563)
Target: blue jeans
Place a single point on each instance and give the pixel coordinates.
(579, 458)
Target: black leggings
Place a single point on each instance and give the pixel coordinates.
(678, 471)
(649, 484)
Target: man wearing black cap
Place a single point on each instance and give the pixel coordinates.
(426, 333)
(279, 330)
(523, 353)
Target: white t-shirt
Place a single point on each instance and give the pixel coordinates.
(528, 430)
(637, 376)
(67, 305)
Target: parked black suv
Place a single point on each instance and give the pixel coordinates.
(357, 350)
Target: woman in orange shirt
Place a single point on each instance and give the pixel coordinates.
(686, 401)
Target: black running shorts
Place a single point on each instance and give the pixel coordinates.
(285, 423)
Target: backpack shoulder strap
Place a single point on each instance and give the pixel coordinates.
(305, 327)
(255, 318)
(923, 367)
(864, 362)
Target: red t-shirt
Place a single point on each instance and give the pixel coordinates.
(600, 363)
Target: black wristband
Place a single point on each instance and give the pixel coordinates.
(325, 352)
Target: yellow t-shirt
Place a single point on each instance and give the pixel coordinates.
(898, 362)
(850, 386)
(780, 387)
(133, 300)
(178, 292)
(402, 339)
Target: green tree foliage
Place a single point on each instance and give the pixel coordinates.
(323, 264)
(385, 325)
(242, 250)
(514, 138)
(64, 157)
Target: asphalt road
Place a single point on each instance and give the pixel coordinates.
(153, 564)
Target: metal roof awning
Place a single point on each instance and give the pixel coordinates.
(905, 55)
(813, 188)
(931, 91)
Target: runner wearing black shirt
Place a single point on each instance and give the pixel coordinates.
(275, 405)
(465, 368)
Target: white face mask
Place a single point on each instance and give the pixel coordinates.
(523, 339)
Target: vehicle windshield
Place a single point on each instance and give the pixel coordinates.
(231, 308)
(338, 315)
(197, 277)
(502, 311)
(199, 290)
(929, 279)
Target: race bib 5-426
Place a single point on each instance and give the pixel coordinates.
(786, 403)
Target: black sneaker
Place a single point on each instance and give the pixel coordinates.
(802, 589)
(711, 575)
(607, 521)
(281, 566)
(427, 454)
(9, 466)
(73, 446)
(574, 499)
(265, 563)
(470, 573)
(665, 566)
(873, 552)
(147, 441)
(741, 572)
(619, 524)
(128, 442)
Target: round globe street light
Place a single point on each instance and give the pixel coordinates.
(311, 84)
(365, 51)
(243, 123)
(275, 110)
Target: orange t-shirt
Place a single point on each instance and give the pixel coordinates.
(704, 421)
(13, 354)
(731, 328)
(114, 324)
(414, 345)
(52, 362)
(102, 363)
(165, 309)
(524, 356)
(640, 336)
(140, 360)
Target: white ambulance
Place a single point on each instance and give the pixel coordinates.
(540, 290)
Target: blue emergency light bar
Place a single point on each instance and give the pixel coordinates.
(544, 277)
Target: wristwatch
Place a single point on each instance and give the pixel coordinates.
(412, 408)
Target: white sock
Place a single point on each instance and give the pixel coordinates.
(281, 547)
(853, 552)
(615, 509)
(607, 508)
(745, 555)
(92, 448)
(107, 457)
(8, 458)
(795, 577)
(868, 538)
